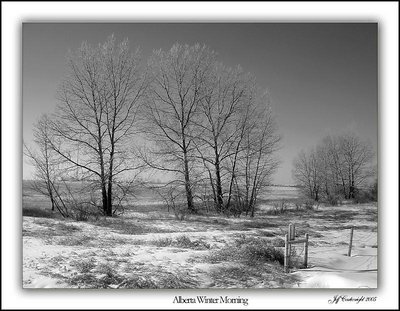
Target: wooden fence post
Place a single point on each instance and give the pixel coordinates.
(306, 250)
(351, 242)
(292, 232)
(286, 257)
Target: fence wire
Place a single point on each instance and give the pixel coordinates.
(314, 253)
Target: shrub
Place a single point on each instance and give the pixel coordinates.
(248, 250)
(84, 266)
(82, 211)
(309, 204)
(162, 242)
(66, 228)
(178, 279)
(374, 191)
(294, 259)
(334, 199)
(185, 242)
(37, 212)
(180, 212)
(365, 196)
(137, 281)
(253, 253)
(278, 242)
(236, 276)
(280, 207)
(76, 240)
(182, 241)
(298, 204)
(235, 209)
(105, 276)
(265, 233)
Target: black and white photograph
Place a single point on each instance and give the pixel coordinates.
(218, 160)
(187, 155)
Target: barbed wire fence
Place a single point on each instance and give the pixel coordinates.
(293, 258)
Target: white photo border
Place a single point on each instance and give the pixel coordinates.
(15, 13)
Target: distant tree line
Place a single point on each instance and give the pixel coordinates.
(207, 125)
(339, 166)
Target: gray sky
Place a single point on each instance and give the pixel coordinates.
(322, 77)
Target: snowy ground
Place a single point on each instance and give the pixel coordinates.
(149, 248)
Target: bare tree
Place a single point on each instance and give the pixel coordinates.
(220, 128)
(306, 173)
(336, 162)
(339, 166)
(48, 172)
(178, 82)
(357, 156)
(94, 124)
(257, 162)
(325, 170)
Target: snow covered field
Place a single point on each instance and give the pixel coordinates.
(148, 248)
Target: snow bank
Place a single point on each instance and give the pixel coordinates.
(340, 271)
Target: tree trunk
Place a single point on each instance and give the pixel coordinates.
(189, 195)
(352, 188)
(50, 191)
(344, 189)
(213, 188)
(349, 185)
(110, 179)
(233, 177)
(109, 198)
(105, 200)
(52, 203)
(188, 189)
(220, 200)
(252, 207)
(228, 203)
(327, 189)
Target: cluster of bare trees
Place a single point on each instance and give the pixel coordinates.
(338, 166)
(211, 127)
(206, 125)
